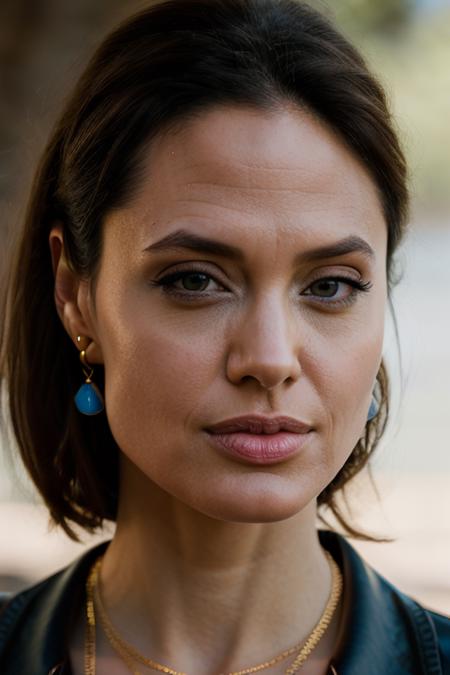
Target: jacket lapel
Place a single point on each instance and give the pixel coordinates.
(39, 619)
(385, 631)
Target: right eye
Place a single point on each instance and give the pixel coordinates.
(194, 282)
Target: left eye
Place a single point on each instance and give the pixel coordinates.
(326, 288)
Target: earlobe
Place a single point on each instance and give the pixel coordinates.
(80, 319)
(71, 296)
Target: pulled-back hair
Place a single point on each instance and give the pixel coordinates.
(161, 67)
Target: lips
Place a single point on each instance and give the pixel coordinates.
(260, 424)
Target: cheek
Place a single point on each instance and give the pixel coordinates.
(345, 383)
(157, 369)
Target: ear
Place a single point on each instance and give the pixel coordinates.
(73, 298)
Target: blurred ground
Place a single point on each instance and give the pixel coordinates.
(416, 509)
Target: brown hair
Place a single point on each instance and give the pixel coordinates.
(160, 67)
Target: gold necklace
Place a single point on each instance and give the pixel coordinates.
(130, 655)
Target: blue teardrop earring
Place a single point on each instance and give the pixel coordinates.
(374, 409)
(88, 399)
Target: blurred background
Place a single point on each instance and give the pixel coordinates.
(44, 45)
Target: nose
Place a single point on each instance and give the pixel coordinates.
(265, 345)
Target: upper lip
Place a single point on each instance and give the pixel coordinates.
(260, 424)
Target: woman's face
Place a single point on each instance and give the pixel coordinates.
(262, 332)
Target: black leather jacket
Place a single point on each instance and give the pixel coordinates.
(386, 632)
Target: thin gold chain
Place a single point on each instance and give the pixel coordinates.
(324, 622)
(89, 651)
(130, 655)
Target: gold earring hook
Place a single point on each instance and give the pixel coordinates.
(87, 368)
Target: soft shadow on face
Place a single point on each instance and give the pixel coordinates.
(270, 330)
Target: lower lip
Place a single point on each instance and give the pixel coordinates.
(260, 448)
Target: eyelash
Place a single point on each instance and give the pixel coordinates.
(191, 296)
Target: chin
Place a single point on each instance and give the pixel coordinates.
(260, 498)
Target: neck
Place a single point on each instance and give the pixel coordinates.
(203, 596)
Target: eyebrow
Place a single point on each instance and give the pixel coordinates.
(184, 240)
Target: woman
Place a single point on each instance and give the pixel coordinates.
(209, 246)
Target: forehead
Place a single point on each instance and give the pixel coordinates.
(243, 147)
(276, 170)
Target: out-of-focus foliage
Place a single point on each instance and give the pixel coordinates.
(410, 54)
(375, 16)
(416, 72)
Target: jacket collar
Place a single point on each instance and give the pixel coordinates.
(38, 620)
(383, 630)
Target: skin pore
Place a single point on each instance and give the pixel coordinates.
(216, 564)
